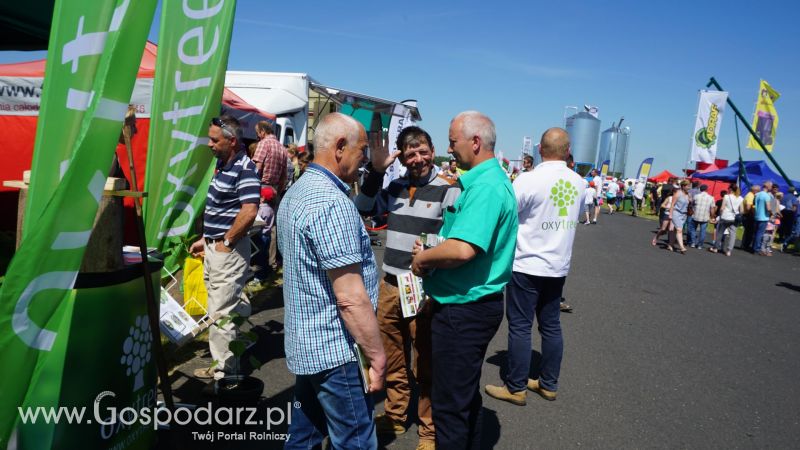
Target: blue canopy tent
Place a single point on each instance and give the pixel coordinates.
(757, 173)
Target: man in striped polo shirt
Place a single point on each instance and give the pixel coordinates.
(231, 206)
(415, 203)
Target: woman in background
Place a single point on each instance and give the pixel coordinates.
(726, 233)
(678, 214)
(663, 212)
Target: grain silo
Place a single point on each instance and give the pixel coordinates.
(608, 145)
(584, 132)
(621, 155)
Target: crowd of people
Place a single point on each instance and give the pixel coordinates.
(686, 209)
(487, 252)
(490, 257)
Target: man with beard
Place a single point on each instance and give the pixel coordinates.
(415, 204)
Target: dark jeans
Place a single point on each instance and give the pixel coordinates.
(690, 230)
(749, 230)
(787, 223)
(460, 336)
(262, 241)
(529, 296)
(698, 233)
(332, 403)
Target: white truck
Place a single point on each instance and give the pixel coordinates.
(299, 102)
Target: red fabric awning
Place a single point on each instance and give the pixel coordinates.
(662, 177)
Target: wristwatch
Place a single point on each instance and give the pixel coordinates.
(226, 242)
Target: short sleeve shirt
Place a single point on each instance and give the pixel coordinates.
(591, 194)
(702, 207)
(234, 184)
(761, 201)
(319, 229)
(485, 215)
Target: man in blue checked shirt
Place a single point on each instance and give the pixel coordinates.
(231, 206)
(330, 293)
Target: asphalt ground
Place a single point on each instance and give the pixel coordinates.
(663, 350)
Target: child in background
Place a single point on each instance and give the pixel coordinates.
(772, 226)
(266, 214)
(590, 202)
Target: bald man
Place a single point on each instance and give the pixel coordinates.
(549, 201)
(330, 292)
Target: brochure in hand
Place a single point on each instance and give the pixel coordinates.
(412, 296)
(363, 365)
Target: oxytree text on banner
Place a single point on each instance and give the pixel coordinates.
(93, 57)
(190, 72)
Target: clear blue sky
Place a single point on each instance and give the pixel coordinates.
(522, 62)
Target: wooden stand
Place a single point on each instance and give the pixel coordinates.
(104, 250)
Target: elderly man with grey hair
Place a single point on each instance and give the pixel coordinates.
(330, 293)
(472, 266)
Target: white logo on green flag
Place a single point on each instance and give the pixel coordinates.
(190, 72)
(93, 57)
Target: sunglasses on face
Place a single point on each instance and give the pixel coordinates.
(226, 129)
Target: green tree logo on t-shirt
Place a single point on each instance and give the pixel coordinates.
(563, 194)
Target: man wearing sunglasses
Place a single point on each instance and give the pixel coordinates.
(231, 206)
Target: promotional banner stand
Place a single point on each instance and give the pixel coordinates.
(713, 82)
(152, 304)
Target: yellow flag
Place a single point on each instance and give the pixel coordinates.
(765, 120)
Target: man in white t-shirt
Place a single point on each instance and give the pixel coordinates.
(638, 197)
(611, 195)
(549, 201)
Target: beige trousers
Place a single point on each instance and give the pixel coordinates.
(225, 275)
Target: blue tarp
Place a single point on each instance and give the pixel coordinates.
(757, 173)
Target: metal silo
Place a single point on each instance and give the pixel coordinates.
(584, 132)
(621, 155)
(608, 145)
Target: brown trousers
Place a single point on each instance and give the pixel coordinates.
(399, 336)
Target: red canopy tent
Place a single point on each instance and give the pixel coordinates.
(20, 92)
(662, 177)
(714, 187)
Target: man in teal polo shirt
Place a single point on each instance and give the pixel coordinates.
(465, 275)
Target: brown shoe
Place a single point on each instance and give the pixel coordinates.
(502, 393)
(426, 444)
(385, 425)
(533, 385)
(204, 373)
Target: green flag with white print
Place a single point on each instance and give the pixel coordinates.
(93, 57)
(190, 72)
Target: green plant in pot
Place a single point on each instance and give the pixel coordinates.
(236, 387)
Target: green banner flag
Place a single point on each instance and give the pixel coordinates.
(190, 73)
(93, 56)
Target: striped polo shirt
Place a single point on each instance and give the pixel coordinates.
(414, 207)
(319, 229)
(233, 185)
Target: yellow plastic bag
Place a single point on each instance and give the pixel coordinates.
(194, 287)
